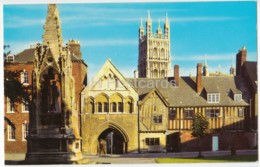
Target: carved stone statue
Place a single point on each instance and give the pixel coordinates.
(54, 94)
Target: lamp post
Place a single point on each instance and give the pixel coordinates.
(112, 143)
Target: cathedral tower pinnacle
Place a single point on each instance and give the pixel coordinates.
(167, 28)
(149, 25)
(141, 30)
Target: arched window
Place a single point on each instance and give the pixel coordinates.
(163, 73)
(102, 103)
(155, 75)
(116, 102)
(100, 107)
(114, 107)
(130, 107)
(90, 107)
(120, 107)
(162, 54)
(106, 109)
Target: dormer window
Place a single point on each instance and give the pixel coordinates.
(213, 97)
(10, 58)
(238, 97)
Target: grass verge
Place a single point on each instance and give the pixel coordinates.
(220, 159)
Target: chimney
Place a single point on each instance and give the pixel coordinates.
(198, 78)
(240, 60)
(176, 75)
(74, 47)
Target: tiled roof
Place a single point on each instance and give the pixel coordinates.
(185, 94)
(28, 56)
(25, 56)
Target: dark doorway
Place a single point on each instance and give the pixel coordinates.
(115, 138)
(174, 142)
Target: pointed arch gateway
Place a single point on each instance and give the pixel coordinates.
(119, 138)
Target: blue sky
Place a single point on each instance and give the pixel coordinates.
(217, 29)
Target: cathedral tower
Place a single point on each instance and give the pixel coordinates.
(154, 60)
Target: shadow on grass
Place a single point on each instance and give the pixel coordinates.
(211, 159)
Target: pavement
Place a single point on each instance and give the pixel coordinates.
(134, 158)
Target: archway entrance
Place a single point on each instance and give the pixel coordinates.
(115, 141)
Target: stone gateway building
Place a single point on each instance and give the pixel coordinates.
(109, 112)
(152, 112)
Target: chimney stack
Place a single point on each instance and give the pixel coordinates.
(74, 47)
(240, 60)
(176, 75)
(198, 78)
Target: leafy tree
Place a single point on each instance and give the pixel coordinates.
(199, 128)
(6, 52)
(13, 88)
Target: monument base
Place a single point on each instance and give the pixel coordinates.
(53, 158)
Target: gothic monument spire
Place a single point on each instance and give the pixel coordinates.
(52, 31)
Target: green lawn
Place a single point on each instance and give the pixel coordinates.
(220, 159)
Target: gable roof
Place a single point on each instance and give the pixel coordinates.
(108, 66)
(159, 95)
(185, 94)
(27, 55)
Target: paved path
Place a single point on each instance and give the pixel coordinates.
(149, 158)
(144, 158)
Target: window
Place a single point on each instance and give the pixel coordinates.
(212, 113)
(113, 107)
(10, 58)
(130, 107)
(10, 133)
(188, 114)
(116, 82)
(152, 141)
(240, 112)
(213, 97)
(106, 107)
(120, 107)
(172, 114)
(237, 97)
(99, 107)
(157, 119)
(25, 77)
(25, 130)
(25, 106)
(10, 106)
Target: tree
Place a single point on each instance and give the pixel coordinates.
(13, 88)
(199, 128)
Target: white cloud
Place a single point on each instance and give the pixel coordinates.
(212, 57)
(224, 56)
(17, 22)
(17, 47)
(108, 42)
(204, 18)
